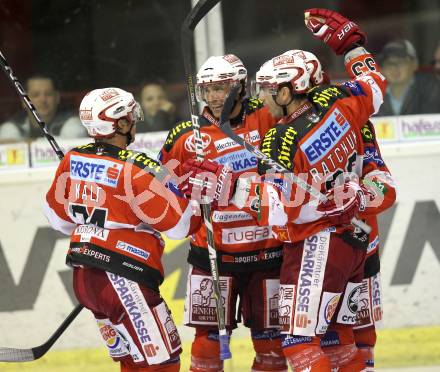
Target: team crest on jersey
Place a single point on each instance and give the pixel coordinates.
(190, 144)
(321, 142)
(355, 88)
(104, 172)
(371, 154)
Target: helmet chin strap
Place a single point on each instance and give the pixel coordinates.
(284, 107)
(128, 134)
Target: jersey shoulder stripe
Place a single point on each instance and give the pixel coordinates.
(90, 148)
(324, 96)
(143, 161)
(179, 130)
(139, 159)
(252, 104)
(176, 132)
(281, 142)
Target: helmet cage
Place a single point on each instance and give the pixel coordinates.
(201, 88)
(259, 86)
(221, 70)
(136, 115)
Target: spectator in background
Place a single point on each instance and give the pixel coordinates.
(43, 93)
(409, 91)
(159, 112)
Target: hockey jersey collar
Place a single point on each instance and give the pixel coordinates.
(235, 121)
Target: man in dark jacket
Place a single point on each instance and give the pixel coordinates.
(409, 92)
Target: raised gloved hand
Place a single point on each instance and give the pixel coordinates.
(338, 32)
(208, 182)
(343, 203)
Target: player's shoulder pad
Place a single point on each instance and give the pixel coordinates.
(279, 143)
(252, 104)
(85, 149)
(368, 133)
(141, 160)
(176, 132)
(322, 97)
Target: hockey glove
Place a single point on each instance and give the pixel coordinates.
(208, 182)
(343, 203)
(338, 32)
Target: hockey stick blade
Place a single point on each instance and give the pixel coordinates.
(225, 126)
(9, 354)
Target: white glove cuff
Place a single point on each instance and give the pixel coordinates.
(354, 53)
(242, 190)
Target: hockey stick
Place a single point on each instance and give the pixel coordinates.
(9, 354)
(225, 126)
(188, 26)
(29, 105)
(24, 355)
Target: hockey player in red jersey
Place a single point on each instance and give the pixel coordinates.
(369, 312)
(370, 307)
(355, 101)
(320, 141)
(249, 258)
(112, 202)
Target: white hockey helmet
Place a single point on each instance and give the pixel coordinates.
(227, 69)
(100, 109)
(282, 69)
(238, 65)
(313, 65)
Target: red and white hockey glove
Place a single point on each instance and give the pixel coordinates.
(343, 203)
(338, 32)
(208, 182)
